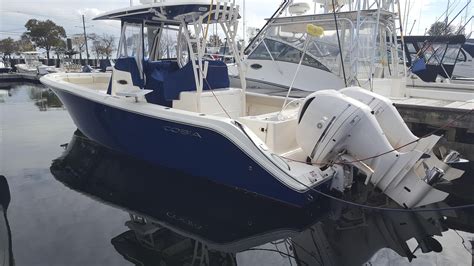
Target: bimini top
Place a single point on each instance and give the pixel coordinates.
(452, 39)
(167, 12)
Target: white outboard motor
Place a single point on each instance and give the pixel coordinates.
(335, 128)
(398, 133)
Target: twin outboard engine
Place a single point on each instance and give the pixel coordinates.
(356, 127)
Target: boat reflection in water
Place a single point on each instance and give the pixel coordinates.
(6, 254)
(45, 99)
(176, 219)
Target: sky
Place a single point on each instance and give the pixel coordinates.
(67, 13)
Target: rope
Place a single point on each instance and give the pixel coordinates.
(208, 20)
(217, 99)
(363, 206)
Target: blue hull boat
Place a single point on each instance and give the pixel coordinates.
(166, 103)
(178, 145)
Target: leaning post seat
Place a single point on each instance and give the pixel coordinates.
(183, 79)
(125, 73)
(167, 80)
(180, 88)
(156, 72)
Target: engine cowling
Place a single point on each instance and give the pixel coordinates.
(335, 128)
(330, 122)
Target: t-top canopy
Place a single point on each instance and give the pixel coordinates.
(451, 39)
(167, 12)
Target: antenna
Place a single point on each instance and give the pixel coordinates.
(85, 39)
(413, 25)
(244, 29)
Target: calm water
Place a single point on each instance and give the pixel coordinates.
(76, 203)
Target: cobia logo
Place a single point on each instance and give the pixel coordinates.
(181, 131)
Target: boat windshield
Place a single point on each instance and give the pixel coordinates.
(131, 43)
(32, 60)
(160, 42)
(280, 51)
(452, 52)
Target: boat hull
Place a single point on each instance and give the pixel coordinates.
(193, 149)
(22, 68)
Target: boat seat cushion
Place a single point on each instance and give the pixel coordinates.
(183, 79)
(129, 64)
(125, 68)
(103, 64)
(155, 73)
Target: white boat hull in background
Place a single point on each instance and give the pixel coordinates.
(267, 74)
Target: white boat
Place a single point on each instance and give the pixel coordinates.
(181, 113)
(32, 65)
(368, 54)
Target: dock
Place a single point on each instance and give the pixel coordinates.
(454, 119)
(18, 77)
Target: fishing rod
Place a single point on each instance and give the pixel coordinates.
(464, 26)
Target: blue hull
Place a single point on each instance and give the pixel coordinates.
(203, 152)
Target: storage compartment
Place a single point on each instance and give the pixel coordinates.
(278, 135)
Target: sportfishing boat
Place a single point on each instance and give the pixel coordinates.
(182, 113)
(32, 65)
(359, 46)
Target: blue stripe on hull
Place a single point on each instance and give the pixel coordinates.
(209, 155)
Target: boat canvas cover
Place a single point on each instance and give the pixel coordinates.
(439, 52)
(166, 12)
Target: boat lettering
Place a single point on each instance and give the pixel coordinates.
(183, 220)
(181, 131)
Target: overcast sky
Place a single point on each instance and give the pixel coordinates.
(67, 13)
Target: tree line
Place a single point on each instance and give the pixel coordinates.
(52, 38)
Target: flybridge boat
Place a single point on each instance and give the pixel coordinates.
(181, 113)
